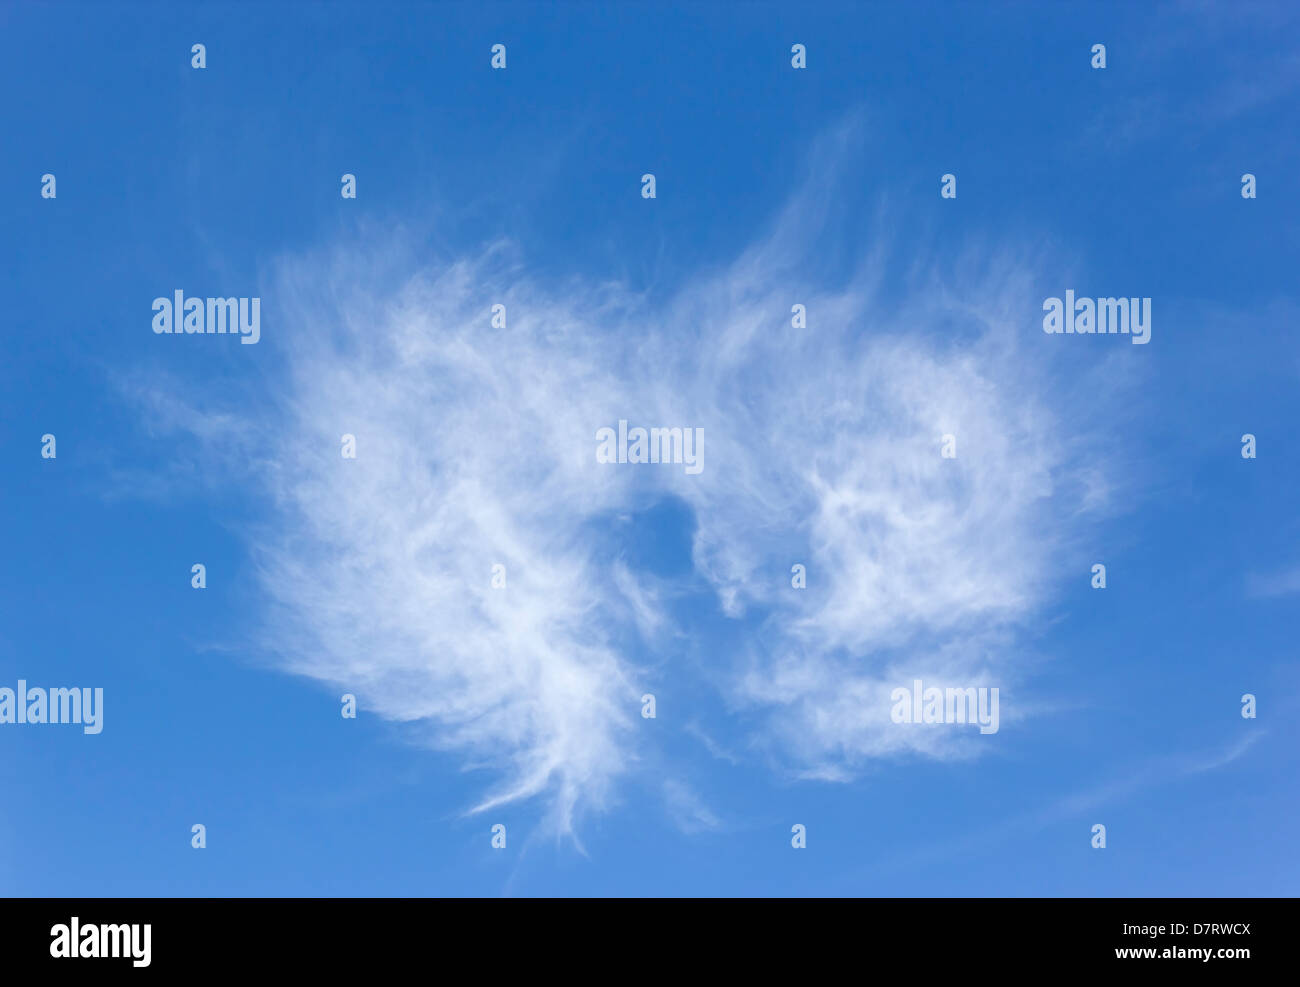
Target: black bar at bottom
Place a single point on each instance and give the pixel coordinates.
(1218, 936)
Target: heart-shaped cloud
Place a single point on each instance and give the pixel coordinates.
(476, 447)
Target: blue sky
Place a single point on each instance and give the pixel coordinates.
(476, 446)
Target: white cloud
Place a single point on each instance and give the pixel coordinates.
(825, 450)
(476, 446)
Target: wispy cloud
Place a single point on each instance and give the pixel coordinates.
(826, 452)
(686, 810)
(1108, 794)
(476, 447)
(1283, 583)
